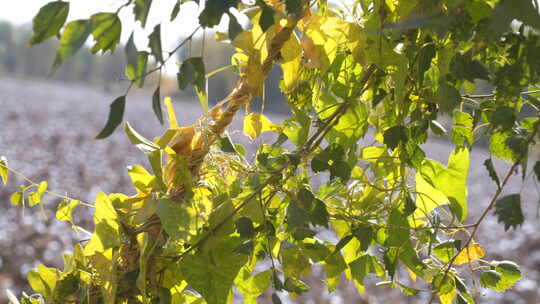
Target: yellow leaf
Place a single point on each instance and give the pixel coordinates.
(470, 254)
(4, 169)
(447, 298)
(255, 124)
(65, 210)
(427, 198)
(244, 42)
(256, 76)
(173, 123)
(291, 53)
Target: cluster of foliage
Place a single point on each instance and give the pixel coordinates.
(366, 85)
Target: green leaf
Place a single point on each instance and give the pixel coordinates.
(399, 235)
(448, 97)
(226, 145)
(294, 285)
(409, 206)
(293, 7)
(143, 144)
(498, 146)
(214, 10)
(503, 117)
(234, 27)
(136, 63)
(488, 163)
(245, 228)
(44, 280)
(73, 37)
(156, 105)
(478, 10)
(334, 266)
(508, 211)
(192, 72)
(65, 209)
(155, 43)
(507, 10)
(106, 30)
(343, 242)
(116, 114)
(319, 214)
(267, 17)
(463, 66)
(489, 279)
(408, 290)
(212, 274)
(49, 20)
(340, 169)
(445, 250)
(510, 274)
(462, 131)
(365, 235)
(363, 266)
(4, 172)
(437, 185)
(107, 231)
(394, 136)
(176, 9)
(141, 10)
(131, 58)
(252, 286)
(140, 178)
(425, 57)
(176, 220)
(140, 72)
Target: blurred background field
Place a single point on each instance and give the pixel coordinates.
(46, 130)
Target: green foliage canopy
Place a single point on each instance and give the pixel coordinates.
(386, 72)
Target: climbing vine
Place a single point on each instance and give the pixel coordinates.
(367, 83)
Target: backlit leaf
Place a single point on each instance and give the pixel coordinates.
(470, 254)
(255, 124)
(4, 172)
(139, 141)
(65, 209)
(106, 30)
(490, 278)
(173, 123)
(510, 274)
(73, 37)
(49, 20)
(16, 198)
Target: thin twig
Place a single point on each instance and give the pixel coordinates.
(476, 225)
